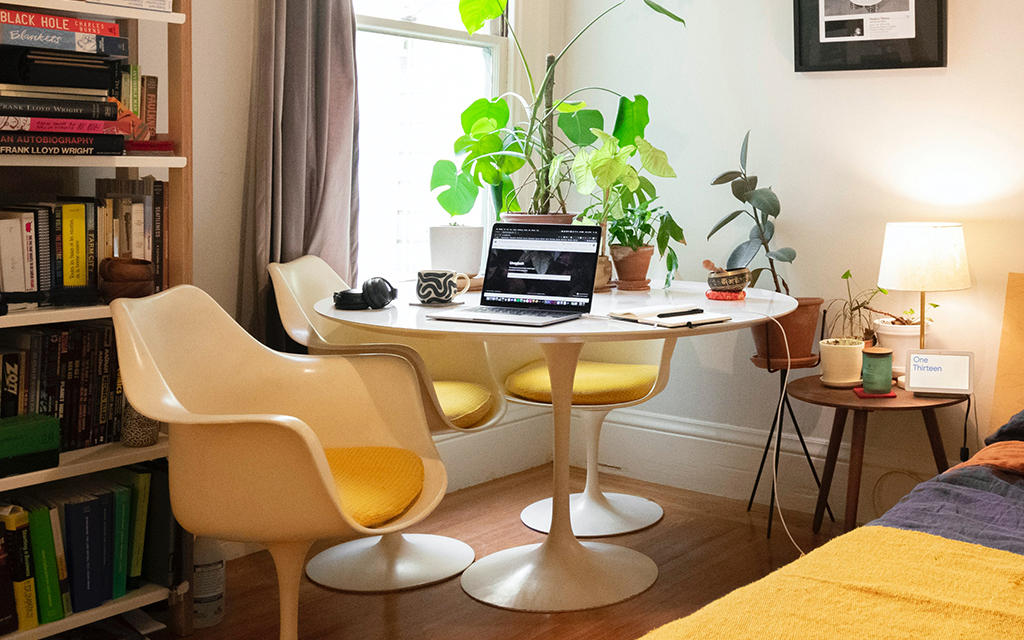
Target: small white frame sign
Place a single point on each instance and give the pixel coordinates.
(947, 373)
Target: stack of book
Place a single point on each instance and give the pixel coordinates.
(64, 89)
(70, 546)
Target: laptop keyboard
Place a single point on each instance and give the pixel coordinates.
(520, 312)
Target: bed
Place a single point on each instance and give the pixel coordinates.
(946, 562)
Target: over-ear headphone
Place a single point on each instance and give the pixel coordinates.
(377, 293)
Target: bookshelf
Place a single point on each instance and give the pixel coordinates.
(62, 174)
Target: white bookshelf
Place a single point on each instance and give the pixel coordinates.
(110, 162)
(50, 315)
(147, 594)
(80, 7)
(89, 460)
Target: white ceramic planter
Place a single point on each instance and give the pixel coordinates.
(841, 363)
(899, 338)
(456, 248)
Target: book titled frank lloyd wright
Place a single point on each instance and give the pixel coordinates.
(60, 144)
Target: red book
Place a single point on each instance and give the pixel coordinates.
(56, 125)
(60, 23)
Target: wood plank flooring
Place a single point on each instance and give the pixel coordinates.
(705, 547)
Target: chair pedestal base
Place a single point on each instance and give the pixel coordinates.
(559, 575)
(392, 562)
(606, 514)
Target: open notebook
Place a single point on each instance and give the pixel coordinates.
(669, 316)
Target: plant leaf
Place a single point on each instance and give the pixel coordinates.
(743, 254)
(509, 164)
(743, 152)
(631, 179)
(581, 173)
(662, 10)
(609, 142)
(654, 160)
(483, 127)
(728, 176)
(740, 188)
(486, 168)
(556, 165)
(769, 232)
(578, 126)
(755, 274)
(784, 254)
(475, 13)
(459, 194)
(608, 168)
(570, 107)
(724, 221)
(847, 275)
(507, 198)
(674, 230)
(496, 109)
(647, 188)
(632, 119)
(766, 201)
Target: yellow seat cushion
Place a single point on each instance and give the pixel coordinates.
(464, 403)
(375, 484)
(595, 382)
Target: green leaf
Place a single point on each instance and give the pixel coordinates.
(459, 194)
(632, 118)
(463, 143)
(556, 165)
(741, 187)
(765, 200)
(608, 168)
(930, 304)
(496, 109)
(672, 263)
(570, 107)
(743, 254)
(847, 275)
(581, 173)
(609, 142)
(578, 126)
(509, 164)
(506, 196)
(485, 168)
(631, 180)
(654, 160)
(769, 232)
(484, 126)
(784, 254)
(647, 188)
(674, 230)
(476, 12)
(728, 176)
(724, 221)
(743, 152)
(663, 11)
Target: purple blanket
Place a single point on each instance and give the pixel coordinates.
(973, 504)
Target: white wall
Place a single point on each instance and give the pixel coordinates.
(846, 152)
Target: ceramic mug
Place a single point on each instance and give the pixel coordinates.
(439, 286)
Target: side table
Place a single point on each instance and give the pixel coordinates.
(812, 391)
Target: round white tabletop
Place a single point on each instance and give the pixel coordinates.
(562, 573)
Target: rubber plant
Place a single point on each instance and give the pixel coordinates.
(763, 212)
(497, 143)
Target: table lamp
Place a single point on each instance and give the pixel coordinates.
(924, 256)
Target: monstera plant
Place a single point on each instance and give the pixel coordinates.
(510, 151)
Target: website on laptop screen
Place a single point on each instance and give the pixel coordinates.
(541, 267)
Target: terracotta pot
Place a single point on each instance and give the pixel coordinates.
(631, 266)
(539, 218)
(801, 327)
(603, 277)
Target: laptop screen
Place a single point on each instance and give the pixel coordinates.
(541, 266)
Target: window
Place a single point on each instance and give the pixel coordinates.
(415, 79)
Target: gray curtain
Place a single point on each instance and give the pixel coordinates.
(301, 194)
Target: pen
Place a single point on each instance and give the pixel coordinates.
(673, 314)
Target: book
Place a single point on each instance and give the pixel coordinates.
(148, 5)
(8, 610)
(29, 442)
(136, 91)
(73, 238)
(44, 559)
(15, 521)
(12, 260)
(60, 144)
(66, 107)
(26, 221)
(158, 235)
(56, 125)
(59, 70)
(669, 316)
(57, 40)
(57, 528)
(61, 23)
(138, 480)
(83, 528)
(120, 531)
(162, 538)
(148, 105)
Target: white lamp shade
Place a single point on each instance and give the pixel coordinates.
(924, 256)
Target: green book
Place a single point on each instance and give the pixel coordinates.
(122, 531)
(44, 559)
(28, 433)
(138, 482)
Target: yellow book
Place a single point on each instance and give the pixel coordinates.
(74, 255)
(15, 521)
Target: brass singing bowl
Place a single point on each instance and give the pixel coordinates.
(735, 280)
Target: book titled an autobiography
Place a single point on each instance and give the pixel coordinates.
(60, 144)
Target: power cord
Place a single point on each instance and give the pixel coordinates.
(965, 451)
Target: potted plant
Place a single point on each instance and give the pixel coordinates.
(850, 331)
(494, 147)
(900, 333)
(632, 234)
(764, 210)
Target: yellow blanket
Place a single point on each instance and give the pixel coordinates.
(874, 582)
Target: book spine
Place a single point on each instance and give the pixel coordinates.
(81, 524)
(45, 563)
(60, 23)
(12, 271)
(62, 561)
(158, 235)
(23, 383)
(91, 261)
(35, 367)
(28, 228)
(116, 396)
(122, 527)
(149, 105)
(44, 245)
(74, 388)
(22, 574)
(49, 382)
(58, 109)
(8, 610)
(85, 425)
(138, 231)
(54, 125)
(56, 40)
(57, 74)
(57, 246)
(73, 236)
(136, 80)
(9, 392)
(105, 535)
(64, 365)
(106, 425)
(60, 144)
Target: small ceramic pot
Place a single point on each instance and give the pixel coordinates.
(841, 362)
(735, 280)
(137, 430)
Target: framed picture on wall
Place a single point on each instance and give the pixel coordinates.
(842, 35)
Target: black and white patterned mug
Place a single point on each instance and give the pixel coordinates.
(439, 286)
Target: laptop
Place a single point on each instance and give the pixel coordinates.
(536, 275)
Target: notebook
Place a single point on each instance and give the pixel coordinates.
(669, 316)
(536, 275)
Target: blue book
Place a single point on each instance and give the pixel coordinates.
(19, 36)
(83, 523)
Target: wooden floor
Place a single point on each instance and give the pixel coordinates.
(705, 547)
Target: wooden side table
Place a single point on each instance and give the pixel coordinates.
(812, 391)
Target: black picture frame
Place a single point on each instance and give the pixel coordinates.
(927, 49)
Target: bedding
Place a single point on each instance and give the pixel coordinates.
(946, 562)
